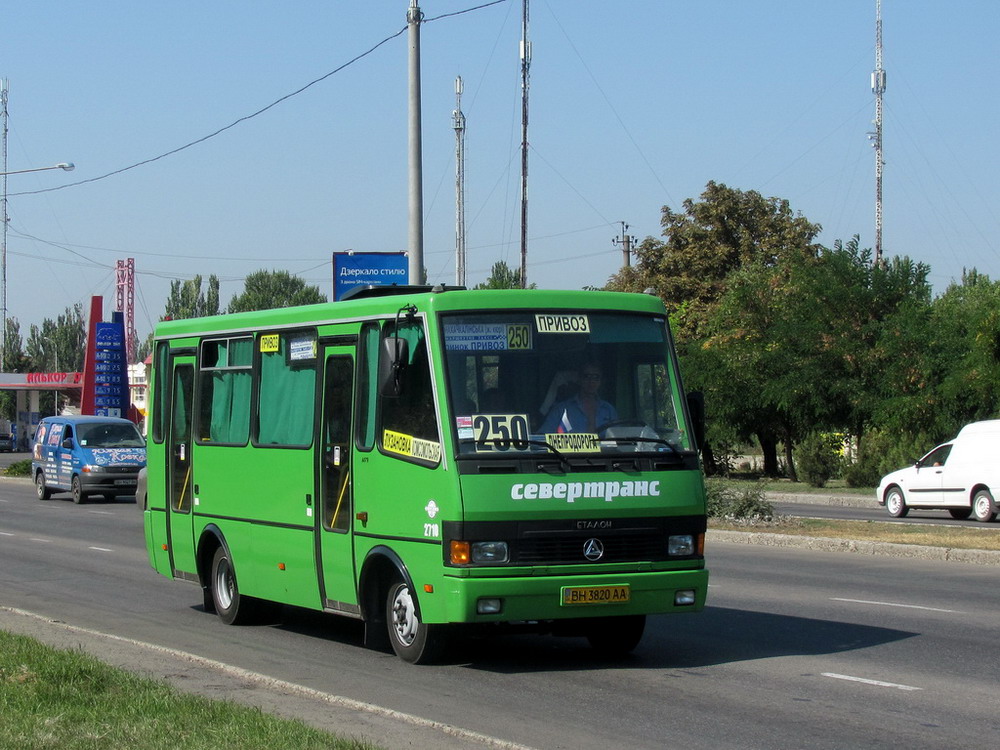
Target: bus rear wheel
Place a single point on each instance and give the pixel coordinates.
(413, 641)
(231, 607)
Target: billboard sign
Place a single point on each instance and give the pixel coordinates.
(352, 270)
(110, 376)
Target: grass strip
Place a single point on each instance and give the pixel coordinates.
(52, 698)
(951, 537)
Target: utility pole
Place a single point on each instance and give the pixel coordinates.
(459, 121)
(525, 66)
(626, 241)
(3, 217)
(878, 88)
(416, 192)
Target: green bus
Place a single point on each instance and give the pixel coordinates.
(429, 460)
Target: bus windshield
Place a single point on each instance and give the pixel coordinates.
(578, 383)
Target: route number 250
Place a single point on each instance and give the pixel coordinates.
(501, 431)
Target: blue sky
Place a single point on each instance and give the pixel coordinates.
(635, 104)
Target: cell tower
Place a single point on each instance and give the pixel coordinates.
(125, 304)
(459, 119)
(525, 68)
(878, 88)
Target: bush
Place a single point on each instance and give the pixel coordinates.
(881, 452)
(731, 502)
(862, 473)
(19, 469)
(818, 458)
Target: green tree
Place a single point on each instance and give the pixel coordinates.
(59, 345)
(691, 269)
(724, 231)
(809, 343)
(14, 360)
(265, 290)
(966, 351)
(187, 300)
(503, 276)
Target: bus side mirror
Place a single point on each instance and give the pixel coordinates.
(393, 356)
(696, 408)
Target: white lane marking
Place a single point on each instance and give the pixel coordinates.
(34, 539)
(101, 512)
(5, 533)
(101, 549)
(894, 604)
(876, 683)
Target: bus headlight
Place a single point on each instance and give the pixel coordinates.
(489, 606)
(681, 545)
(685, 597)
(489, 552)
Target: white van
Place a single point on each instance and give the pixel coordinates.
(961, 477)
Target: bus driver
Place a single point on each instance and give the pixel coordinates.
(584, 412)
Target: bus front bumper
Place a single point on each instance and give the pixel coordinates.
(519, 599)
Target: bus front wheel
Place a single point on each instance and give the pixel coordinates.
(413, 641)
(231, 607)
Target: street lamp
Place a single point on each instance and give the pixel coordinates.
(66, 166)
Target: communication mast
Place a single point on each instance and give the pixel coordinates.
(525, 66)
(459, 120)
(878, 88)
(125, 303)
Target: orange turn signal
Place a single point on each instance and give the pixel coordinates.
(461, 552)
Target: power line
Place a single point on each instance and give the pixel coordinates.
(260, 111)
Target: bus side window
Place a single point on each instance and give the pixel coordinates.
(412, 412)
(160, 391)
(286, 403)
(367, 383)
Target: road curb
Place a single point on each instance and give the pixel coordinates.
(884, 549)
(805, 498)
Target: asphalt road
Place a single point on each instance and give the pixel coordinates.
(796, 649)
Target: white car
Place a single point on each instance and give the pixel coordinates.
(961, 477)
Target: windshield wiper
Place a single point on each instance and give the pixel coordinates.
(636, 441)
(509, 442)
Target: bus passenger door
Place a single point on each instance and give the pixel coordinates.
(335, 522)
(180, 484)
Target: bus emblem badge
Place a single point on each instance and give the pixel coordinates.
(593, 549)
